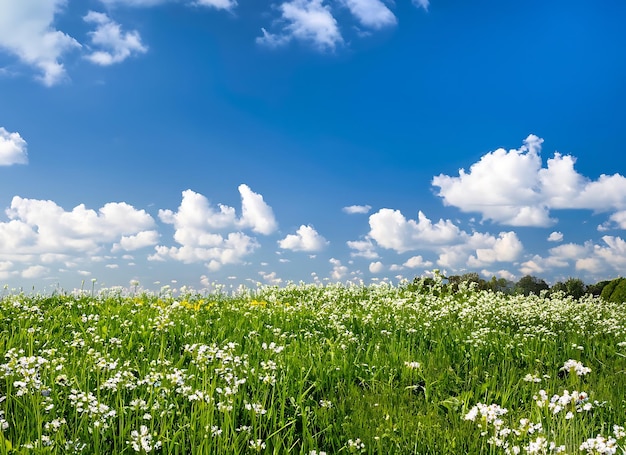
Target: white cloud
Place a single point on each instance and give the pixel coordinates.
(26, 31)
(306, 238)
(390, 229)
(362, 248)
(34, 271)
(555, 236)
(512, 187)
(133, 2)
(505, 248)
(115, 45)
(501, 185)
(270, 278)
(532, 267)
(357, 209)
(304, 20)
(417, 262)
(421, 4)
(223, 250)
(256, 214)
(218, 4)
(197, 219)
(134, 242)
(371, 13)
(199, 227)
(339, 271)
(616, 221)
(613, 254)
(39, 227)
(12, 148)
(376, 267)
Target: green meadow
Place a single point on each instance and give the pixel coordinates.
(312, 369)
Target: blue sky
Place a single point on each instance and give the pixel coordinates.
(187, 142)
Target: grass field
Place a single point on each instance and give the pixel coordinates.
(310, 369)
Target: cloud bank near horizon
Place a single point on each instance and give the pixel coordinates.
(510, 188)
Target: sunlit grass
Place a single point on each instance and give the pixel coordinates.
(311, 369)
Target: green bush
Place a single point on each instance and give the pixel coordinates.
(615, 291)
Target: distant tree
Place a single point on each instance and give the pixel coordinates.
(596, 289)
(530, 285)
(575, 287)
(559, 286)
(455, 280)
(500, 285)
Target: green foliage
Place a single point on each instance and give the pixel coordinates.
(596, 289)
(574, 287)
(301, 369)
(530, 285)
(615, 291)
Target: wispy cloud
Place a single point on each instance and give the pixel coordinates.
(26, 31)
(371, 13)
(13, 149)
(304, 20)
(357, 209)
(219, 4)
(115, 45)
(421, 4)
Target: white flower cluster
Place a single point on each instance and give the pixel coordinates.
(574, 401)
(142, 440)
(87, 404)
(603, 445)
(3, 423)
(25, 370)
(576, 367)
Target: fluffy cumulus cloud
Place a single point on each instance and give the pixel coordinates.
(504, 248)
(480, 249)
(339, 271)
(376, 267)
(201, 230)
(415, 262)
(304, 20)
(41, 232)
(12, 148)
(357, 209)
(511, 187)
(371, 13)
(306, 238)
(390, 229)
(256, 214)
(137, 241)
(114, 46)
(555, 236)
(363, 248)
(26, 31)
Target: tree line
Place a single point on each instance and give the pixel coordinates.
(610, 290)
